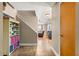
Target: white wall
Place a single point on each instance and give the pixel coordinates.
(1, 28)
(77, 29)
(56, 28)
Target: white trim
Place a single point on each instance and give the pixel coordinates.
(28, 44)
(55, 52)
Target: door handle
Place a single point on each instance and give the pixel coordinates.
(61, 35)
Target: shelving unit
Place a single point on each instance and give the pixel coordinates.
(11, 35)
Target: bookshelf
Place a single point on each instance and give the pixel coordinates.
(11, 35)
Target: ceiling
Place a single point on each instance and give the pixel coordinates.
(31, 5)
(40, 8)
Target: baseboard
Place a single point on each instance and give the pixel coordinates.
(28, 44)
(56, 54)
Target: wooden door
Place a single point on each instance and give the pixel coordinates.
(67, 17)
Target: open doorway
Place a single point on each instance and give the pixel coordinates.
(41, 31)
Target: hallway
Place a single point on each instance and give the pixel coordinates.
(23, 28)
(40, 50)
(39, 29)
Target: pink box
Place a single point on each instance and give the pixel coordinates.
(13, 40)
(17, 38)
(15, 46)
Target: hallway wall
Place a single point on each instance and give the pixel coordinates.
(1, 27)
(77, 29)
(56, 28)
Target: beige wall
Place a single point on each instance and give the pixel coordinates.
(1, 28)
